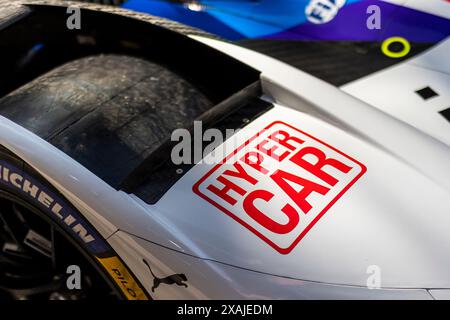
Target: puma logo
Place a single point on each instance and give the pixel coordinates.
(177, 279)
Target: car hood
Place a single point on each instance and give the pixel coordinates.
(391, 219)
(389, 215)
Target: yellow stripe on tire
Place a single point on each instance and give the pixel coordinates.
(123, 278)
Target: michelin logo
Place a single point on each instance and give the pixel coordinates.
(10, 177)
(323, 11)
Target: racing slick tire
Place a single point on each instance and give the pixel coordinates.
(48, 250)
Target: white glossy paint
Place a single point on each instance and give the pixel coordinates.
(396, 216)
(294, 88)
(392, 90)
(440, 294)
(107, 209)
(64, 173)
(213, 280)
(435, 58)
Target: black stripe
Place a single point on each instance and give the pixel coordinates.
(336, 62)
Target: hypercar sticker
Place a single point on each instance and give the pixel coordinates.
(69, 219)
(279, 183)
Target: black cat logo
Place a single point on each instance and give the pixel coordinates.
(177, 279)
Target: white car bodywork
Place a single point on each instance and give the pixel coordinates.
(395, 217)
(393, 91)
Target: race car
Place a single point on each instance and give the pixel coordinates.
(156, 161)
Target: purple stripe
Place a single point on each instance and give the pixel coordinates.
(350, 25)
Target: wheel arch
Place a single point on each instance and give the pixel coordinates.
(21, 181)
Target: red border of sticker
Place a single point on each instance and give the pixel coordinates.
(287, 250)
